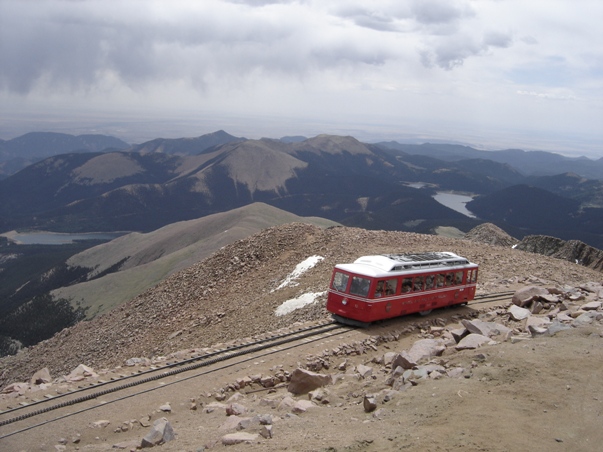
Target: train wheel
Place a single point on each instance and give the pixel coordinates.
(424, 313)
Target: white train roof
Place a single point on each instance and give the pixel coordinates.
(384, 264)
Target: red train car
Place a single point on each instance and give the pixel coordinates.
(390, 285)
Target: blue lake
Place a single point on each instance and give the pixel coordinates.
(455, 202)
(58, 238)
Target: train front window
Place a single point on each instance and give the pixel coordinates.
(359, 286)
(340, 281)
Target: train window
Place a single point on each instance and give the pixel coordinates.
(429, 282)
(386, 287)
(474, 275)
(419, 281)
(459, 277)
(450, 279)
(360, 286)
(340, 281)
(440, 280)
(406, 285)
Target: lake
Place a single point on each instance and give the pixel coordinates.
(57, 238)
(454, 202)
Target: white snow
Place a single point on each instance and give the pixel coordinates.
(297, 303)
(299, 270)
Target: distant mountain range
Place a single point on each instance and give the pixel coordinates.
(528, 163)
(150, 185)
(32, 147)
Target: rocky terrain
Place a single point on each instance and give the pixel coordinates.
(530, 376)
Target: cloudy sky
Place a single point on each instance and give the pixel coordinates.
(493, 73)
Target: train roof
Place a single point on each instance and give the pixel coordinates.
(385, 263)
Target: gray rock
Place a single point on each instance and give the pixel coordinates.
(425, 349)
(99, 424)
(369, 403)
(238, 438)
(130, 445)
(537, 322)
(166, 408)
(364, 371)
(319, 395)
(591, 306)
(557, 326)
(233, 423)
(518, 313)
(526, 295)
(472, 341)
(138, 362)
(160, 433)
(304, 381)
(537, 330)
(388, 358)
(40, 377)
(583, 319)
(301, 406)
(488, 329)
(235, 409)
(459, 333)
(266, 431)
(404, 360)
(80, 372)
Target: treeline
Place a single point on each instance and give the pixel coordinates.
(34, 270)
(37, 320)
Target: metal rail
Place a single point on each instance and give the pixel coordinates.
(177, 368)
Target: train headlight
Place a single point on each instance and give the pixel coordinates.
(344, 301)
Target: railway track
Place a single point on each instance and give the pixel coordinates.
(188, 367)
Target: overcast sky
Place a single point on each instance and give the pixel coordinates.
(493, 73)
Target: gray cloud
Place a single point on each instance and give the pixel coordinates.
(437, 12)
(78, 47)
(453, 51)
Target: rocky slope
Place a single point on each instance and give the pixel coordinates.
(235, 292)
(570, 250)
(491, 234)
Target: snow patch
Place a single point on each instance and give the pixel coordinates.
(297, 303)
(299, 270)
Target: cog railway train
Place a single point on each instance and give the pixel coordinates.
(390, 285)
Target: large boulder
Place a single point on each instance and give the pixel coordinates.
(473, 341)
(304, 381)
(488, 329)
(425, 349)
(523, 297)
(160, 433)
(40, 377)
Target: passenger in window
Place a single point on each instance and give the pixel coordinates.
(429, 282)
(440, 280)
(389, 288)
(418, 284)
(379, 291)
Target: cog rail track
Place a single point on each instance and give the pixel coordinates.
(102, 388)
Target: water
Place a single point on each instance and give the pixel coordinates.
(57, 238)
(454, 202)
